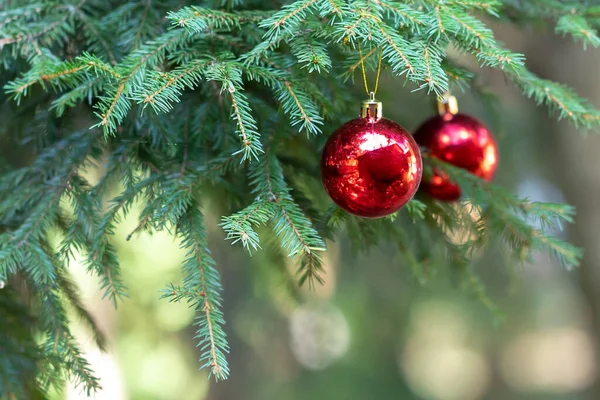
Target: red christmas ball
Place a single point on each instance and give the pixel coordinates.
(459, 140)
(371, 167)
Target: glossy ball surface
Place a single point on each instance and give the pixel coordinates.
(371, 169)
(459, 140)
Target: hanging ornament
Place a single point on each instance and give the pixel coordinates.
(370, 165)
(459, 140)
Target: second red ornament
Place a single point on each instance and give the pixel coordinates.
(459, 140)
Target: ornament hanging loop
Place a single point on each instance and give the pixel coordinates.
(371, 108)
(447, 105)
(364, 72)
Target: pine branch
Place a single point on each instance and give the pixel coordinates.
(434, 76)
(288, 18)
(398, 52)
(311, 53)
(240, 226)
(297, 104)
(60, 348)
(416, 209)
(24, 241)
(353, 63)
(202, 288)
(19, 350)
(97, 43)
(295, 232)
(507, 215)
(20, 38)
(472, 35)
(559, 98)
(87, 90)
(138, 34)
(246, 127)
(80, 234)
(161, 89)
(102, 255)
(300, 107)
(57, 25)
(113, 107)
(336, 8)
(403, 14)
(489, 6)
(199, 19)
(578, 19)
(26, 12)
(60, 75)
(73, 299)
(579, 28)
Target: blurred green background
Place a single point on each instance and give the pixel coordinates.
(372, 331)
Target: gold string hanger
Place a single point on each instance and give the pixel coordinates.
(364, 72)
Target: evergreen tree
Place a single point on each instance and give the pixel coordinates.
(230, 102)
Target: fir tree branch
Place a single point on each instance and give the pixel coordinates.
(96, 35)
(403, 14)
(287, 18)
(100, 248)
(398, 58)
(60, 346)
(489, 6)
(579, 28)
(79, 234)
(239, 226)
(245, 123)
(434, 78)
(300, 108)
(294, 230)
(198, 19)
(202, 287)
(335, 7)
(72, 296)
(507, 215)
(29, 37)
(263, 62)
(162, 89)
(85, 91)
(138, 33)
(360, 61)
(231, 82)
(35, 226)
(311, 53)
(22, 13)
(68, 73)
(559, 98)
(51, 26)
(114, 107)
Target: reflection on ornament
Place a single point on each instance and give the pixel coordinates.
(320, 335)
(462, 141)
(371, 166)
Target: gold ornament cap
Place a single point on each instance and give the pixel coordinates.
(371, 108)
(447, 105)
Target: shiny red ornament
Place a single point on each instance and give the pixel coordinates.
(459, 140)
(371, 166)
